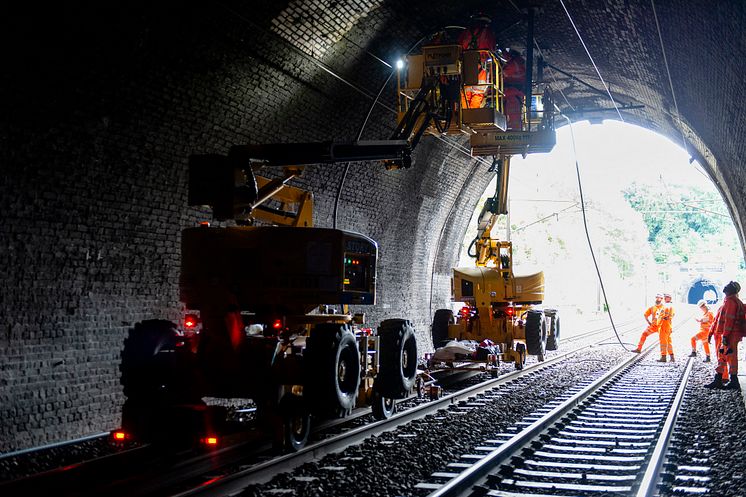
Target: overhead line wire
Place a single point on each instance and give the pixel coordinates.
(541, 53)
(608, 92)
(670, 81)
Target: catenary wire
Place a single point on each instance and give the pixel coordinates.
(668, 72)
(592, 61)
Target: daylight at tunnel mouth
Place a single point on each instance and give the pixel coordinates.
(251, 222)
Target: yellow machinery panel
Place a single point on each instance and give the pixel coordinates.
(512, 142)
(443, 59)
(485, 285)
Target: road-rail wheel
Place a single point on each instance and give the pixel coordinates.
(398, 359)
(553, 337)
(382, 407)
(333, 369)
(439, 328)
(536, 333)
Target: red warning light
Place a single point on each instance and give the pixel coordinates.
(277, 324)
(509, 311)
(190, 321)
(465, 311)
(212, 441)
(119, 435)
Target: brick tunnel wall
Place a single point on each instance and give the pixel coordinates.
(105, 109)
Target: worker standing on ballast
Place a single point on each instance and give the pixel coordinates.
(704, 330)
(666, 327)
(727, 331)
(651, 316)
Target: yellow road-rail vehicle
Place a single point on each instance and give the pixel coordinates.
(452, 89)
(267, 310)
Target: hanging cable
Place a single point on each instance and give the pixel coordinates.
(359, 135)
(670, 81)
(608, 92)
(588, 236)
(365, 123)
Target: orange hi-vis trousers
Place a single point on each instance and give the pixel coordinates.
(702, 337)
(645, 334)
(665, 341)
(727, 363)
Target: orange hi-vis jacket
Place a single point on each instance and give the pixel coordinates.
(665, 317)
(705, 322)
(729, 317)
(653, 314)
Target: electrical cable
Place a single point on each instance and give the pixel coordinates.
(670, 81)
(365, 123)
(552, 215)
(541, 53)
(588, 236)
(608, 92)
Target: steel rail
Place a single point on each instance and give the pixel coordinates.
(649, 482)
(465, 481)
(265, 471)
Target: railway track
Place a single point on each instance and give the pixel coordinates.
(609, 436)
(235, 467)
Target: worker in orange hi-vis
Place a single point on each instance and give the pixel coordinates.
(473, 95)
(666, 327)
(727, 331)
(651, 316)
(704, 330)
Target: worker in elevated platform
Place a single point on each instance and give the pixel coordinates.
(651, 316)
(479, 35)
(704, 330)
(665, 318)
(514, 81)
(726, 329)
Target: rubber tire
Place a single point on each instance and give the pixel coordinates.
(150, 376)
(329, 347)
(295, 420)
(535, 337)
(439, 329)
(521, 349)
(382, 407)
(397, 368)
(553, 338)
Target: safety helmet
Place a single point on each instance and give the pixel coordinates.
(480, 17)
(732, 288)
(702, 303)
(658, 295)
(667, 295)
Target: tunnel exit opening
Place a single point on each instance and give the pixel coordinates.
(656, 220)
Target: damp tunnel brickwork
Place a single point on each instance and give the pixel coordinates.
(103, 106)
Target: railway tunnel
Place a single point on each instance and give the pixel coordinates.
(104, 105)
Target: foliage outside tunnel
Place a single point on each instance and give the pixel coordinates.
(656, 222)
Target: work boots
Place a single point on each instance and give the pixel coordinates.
(707, 359)
(717, 382)
(733, 384)
(637, 350)
(672, 359)
(693, 354)
(662, 359)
